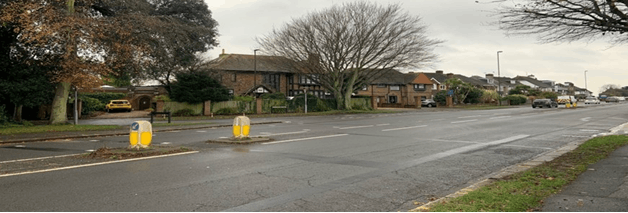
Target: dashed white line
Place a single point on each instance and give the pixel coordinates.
(402, 128)
(457, 122)
(19, 146)
(382, 124)
(285, 133)
(589, 130)
(201, 131)
(453, 141)
(303, 139)
(473, 116)
(165, 143)
(94, 140)
(500, 117)
(355, 127)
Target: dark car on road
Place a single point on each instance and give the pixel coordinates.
(428, 103)
(540, 103)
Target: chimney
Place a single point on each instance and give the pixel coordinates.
(439, 72)
(223, 53)
(450, 75)
(489, 78)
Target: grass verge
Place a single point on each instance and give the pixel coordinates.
(181, 124)
(332, 112)
(525, 191)
(55, 128)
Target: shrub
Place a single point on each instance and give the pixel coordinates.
(163, 98)
(489, 95)
(441, 97)
(227, 111)
(516, 99)
(103, 97)
(184, 112)
(91, 104)
(243, 98)
(474, 96)
(4, 119)
(277, 95)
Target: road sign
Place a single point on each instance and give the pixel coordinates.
(450, 92)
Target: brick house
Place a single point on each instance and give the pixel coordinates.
(396, 89)
(256, 75)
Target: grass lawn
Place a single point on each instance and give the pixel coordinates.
(55, 128)
(526, 190)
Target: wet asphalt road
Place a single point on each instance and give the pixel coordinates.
(380, 162)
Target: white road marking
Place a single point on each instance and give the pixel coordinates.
(201, 131)
(452, 141)
(95, 164)
(303, 139)
(585, 119)
(576, 136)
(402, 128)
(382, 124)
(19, 146)
(457, 122)
(223, 137)
(94, 140)
(288, 122)
(355, 127)
(530, 147)
(165, 143)
(500, 117)
(285, 133)
(589, 130)
(41, 158)
(90, 150)
(265, 133)
(473, 116)
(438, 120)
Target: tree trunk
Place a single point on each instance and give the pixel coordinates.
(17, 113)
(60, 104)
(347, 95)
(339, 100)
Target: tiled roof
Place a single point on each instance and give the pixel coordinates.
(533, 81)
(238, 62)
(441, 78)
(391, 77)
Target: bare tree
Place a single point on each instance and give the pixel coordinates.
(346, 46)
(607, 87)
(565, 20)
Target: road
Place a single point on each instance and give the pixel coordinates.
(381, 162)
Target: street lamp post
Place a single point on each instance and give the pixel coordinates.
(586, 90)
(499, 82)
(255, 67)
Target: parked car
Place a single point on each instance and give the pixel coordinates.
(540, 103)
(428, 103)
(591, 100)
(121, 105)
(566, 99)
(612, 99)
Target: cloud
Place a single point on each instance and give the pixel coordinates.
(470, 44)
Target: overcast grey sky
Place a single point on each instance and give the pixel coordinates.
(470, 46)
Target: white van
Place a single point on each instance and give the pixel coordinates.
(563, 99)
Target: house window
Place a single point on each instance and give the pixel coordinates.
(434, 86)
(231, 92)
(392, 99)
(442, 87)
(308, 79)
(381, 85)
(272, 80)
(394, 88)
(419, 87)
(233, 77)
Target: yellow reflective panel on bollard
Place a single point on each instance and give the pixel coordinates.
(141, 134)
(241, 127)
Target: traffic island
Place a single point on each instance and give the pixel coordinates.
(106, 153)
(246, 140)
